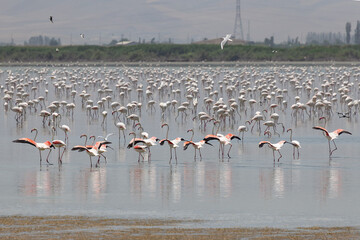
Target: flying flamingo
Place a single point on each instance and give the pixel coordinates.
(274, 147)
(331, 136)
(173, 144)
(295, 143)
(40, 146)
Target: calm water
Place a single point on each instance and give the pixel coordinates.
(245, 190)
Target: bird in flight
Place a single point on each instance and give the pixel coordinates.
(225, 39)
(82, 35)
(51, 19)
(344, 115)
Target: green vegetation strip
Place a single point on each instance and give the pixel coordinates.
(178, 53)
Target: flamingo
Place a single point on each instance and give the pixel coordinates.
(121, 127)
(142, 133)
(274, 147)
(295, 143)
(86, 138)
(40, 146)
(59, 144)
(148, 143)
(223, 140)
(103, 147)
(173, 144)
(331, 136)
(243, 129)
(93, 151)
(66, 129)
(140, 149)
(196, 145)
(134, 140)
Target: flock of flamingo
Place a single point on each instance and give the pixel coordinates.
(222, 97)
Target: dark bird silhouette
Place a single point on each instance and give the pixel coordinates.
(343, 115)
(51, 19)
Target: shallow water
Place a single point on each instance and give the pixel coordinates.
(247, 190)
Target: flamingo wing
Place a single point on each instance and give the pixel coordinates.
(187, 143)
(322, 129)
(236, 137)
(162, 141)
(134, 142)
(79, 148)
(211, 137)
(262, 143)
(26, 140)
(341, 131)
(103, 143)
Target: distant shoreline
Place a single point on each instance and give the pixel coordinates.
(175, 53)
(81, 227)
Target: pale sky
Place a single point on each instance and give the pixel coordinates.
(180, 20)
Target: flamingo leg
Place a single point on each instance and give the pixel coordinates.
(142, 156)
(329, 148)
(40, 157)
(298, 153)
(334, 148)
(90, 161)
(170, 155)
(62, 156)
(280, 156)
(47, 158)
(294, 152)
(229, 150)
(103, 157)
(124, 137)
(219, 149)
(98, 162)
(200, 154)
(195, 155)
(274, 155)
(175, 155)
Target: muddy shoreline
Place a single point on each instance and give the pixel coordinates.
(81, 227)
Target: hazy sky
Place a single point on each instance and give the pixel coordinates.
(180, 20)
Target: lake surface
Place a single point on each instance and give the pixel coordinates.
(246, 190)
